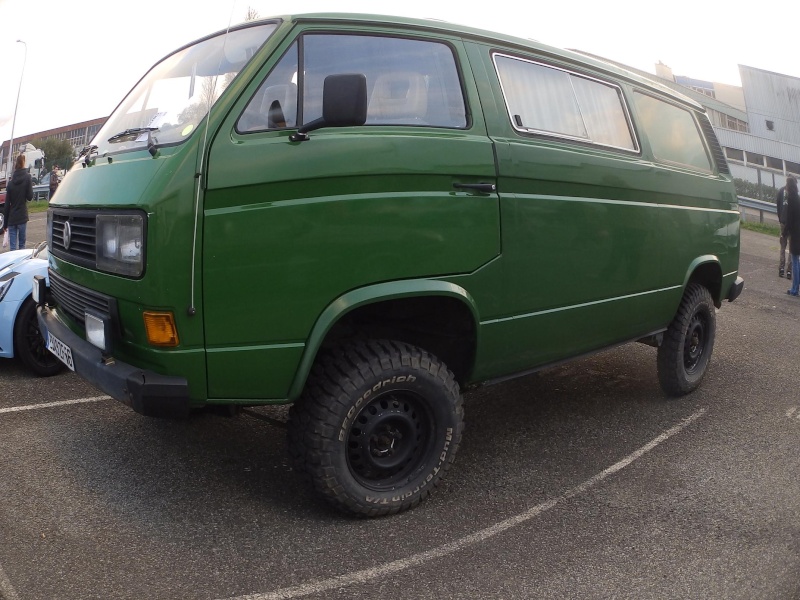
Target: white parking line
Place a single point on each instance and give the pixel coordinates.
(365, 575)
(7, 591)
(53, 404)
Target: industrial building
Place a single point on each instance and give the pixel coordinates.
(757, 124)
(79, 135)
(770, 149)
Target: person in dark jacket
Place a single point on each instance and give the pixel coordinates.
(15, 210)
(780, 202)
(53, 181)
(792, 228)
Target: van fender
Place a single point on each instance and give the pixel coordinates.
(368, 295)
(705, 261)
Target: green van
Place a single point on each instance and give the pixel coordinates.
(363, 216)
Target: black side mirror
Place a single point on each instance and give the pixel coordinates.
(344, 104)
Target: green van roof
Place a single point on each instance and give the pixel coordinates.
(483, 35)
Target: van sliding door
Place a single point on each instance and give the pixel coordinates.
(581, 256)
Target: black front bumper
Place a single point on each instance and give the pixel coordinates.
(144, 391)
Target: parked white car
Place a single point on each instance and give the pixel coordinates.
(19, 328)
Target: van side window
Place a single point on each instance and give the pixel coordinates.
(409, 82)
(551, 101)
(673, 132)
(274, 105)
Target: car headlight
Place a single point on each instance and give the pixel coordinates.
(120, 244)
(5, 285)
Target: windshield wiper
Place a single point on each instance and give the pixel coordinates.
(90, 152)
(129, 134)
(86, 149)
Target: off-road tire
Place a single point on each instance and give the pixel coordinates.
(29, 346)
(377, 426)
(685, 353)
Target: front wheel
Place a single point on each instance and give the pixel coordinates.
(29, 345)
(377, 426)
(685, 353)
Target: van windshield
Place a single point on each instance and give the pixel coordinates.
(169, 102)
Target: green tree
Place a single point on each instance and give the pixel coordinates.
(755, 190)
(56, 152)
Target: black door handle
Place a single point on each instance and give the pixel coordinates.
(486, 188)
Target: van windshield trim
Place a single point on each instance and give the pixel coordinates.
(176, 94)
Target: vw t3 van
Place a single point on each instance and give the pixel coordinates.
(363, 216)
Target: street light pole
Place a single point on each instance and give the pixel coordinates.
(14, 121)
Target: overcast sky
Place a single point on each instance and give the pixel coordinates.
(83, 57)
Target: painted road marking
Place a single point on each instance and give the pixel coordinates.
(7, 591)
(365, 575)
(53, 404)
(791, 412)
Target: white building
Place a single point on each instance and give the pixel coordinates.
(770, 149)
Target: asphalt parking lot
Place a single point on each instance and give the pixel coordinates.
(583, 481)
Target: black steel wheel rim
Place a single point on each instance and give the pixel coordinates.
(695, 343)
(389, 440)
(38, 351)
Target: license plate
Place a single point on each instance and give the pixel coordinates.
(61, 350)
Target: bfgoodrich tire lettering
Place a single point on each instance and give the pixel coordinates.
(377, 427)
(685, 353)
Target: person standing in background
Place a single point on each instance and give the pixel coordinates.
(53, 181)
(791, 228)
(15, 210)
(780, 202)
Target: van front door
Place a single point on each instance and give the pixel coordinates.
(290, 226)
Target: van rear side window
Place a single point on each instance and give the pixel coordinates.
(673, 133)
(551, 101)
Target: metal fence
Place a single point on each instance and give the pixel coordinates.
(758, 210)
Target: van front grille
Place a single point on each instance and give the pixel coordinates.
(74, 299)
(74, 236)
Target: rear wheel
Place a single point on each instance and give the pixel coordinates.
(685, 353)
(377, 426)
(29, 345)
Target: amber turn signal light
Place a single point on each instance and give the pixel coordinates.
(161, 329)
